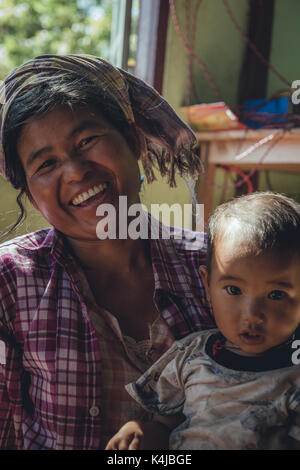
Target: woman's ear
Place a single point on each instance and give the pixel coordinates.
(204, 275)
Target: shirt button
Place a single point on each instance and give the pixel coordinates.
(94, 411)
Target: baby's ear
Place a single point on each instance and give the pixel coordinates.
(204, 275)
(203, 272)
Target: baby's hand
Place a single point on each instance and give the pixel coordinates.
(129, 437)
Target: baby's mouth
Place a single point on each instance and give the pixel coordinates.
(252, 337)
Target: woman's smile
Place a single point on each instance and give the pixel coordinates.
(86, 197)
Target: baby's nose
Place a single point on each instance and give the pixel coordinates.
(253, 313)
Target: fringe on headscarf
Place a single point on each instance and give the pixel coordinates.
(184, 163)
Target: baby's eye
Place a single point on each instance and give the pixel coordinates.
(276, 295)
(233, 290)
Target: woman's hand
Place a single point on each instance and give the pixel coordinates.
(129, 437)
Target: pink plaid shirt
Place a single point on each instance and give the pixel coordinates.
(50, 359)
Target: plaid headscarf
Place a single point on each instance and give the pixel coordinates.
(166, 141)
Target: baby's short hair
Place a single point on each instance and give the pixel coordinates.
(261, 221)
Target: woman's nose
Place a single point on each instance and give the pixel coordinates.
(73, 169)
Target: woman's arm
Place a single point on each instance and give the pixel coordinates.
(8, 439)
(7, 431)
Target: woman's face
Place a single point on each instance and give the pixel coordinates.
(73, 162)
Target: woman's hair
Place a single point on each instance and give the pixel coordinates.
(260, 221)
(67, 90)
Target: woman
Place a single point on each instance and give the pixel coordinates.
(82, 316)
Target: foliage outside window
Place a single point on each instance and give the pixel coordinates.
(34, 27)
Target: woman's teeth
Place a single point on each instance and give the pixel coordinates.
(91, 192)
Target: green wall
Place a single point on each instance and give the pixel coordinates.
(285, 58)
(285, 44)
(9, 212)
(218, 45)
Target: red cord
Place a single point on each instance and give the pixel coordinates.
(238, 171)
(188, 44)
(190, 52)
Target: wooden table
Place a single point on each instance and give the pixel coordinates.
(273, 149)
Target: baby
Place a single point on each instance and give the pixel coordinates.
(238, 386)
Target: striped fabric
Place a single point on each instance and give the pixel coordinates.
(51, 386)
(123, 359)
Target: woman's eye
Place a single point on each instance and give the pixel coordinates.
(86, 141)
(276, 295)
(46, 164)
(233, 290)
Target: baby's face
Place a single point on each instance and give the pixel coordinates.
(255, 299)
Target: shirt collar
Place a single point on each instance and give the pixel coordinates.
(59, 251)
(52, 241)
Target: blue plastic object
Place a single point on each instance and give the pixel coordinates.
(261, 113)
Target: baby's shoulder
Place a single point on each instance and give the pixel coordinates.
(195, 340)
